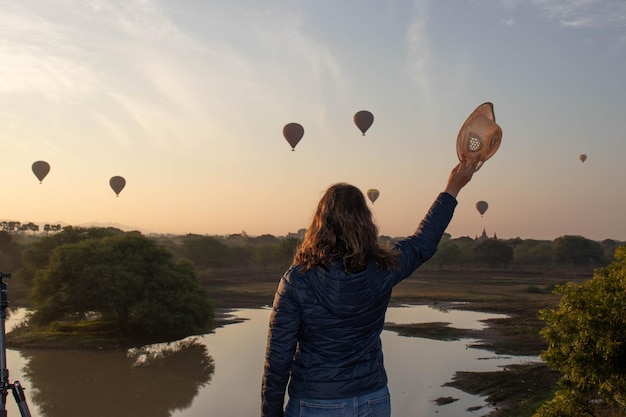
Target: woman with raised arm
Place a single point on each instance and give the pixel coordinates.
(329, 309)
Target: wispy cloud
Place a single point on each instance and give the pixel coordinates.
(419, 47)
(285, 44)
(585, 13)
(35, 56)
(508, 22)
(100, 63)
(138, 74)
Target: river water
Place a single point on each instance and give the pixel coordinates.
(219, 374)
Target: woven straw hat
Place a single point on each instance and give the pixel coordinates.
(480, 135)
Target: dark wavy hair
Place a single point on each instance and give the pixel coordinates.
(342, 230)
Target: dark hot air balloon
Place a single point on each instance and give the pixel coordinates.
(117, 183)
(372, 194)
(482, 207)
(41, 169)
(582, 157)
(293, 132)
(363, 120)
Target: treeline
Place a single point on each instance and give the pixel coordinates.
(233, 251)
(19, 227)
(26, 254)
(237, 251)
(568, 250)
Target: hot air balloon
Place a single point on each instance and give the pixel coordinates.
(293, 132)
(363, 120)
(372, 194)
(582, 157)
(41, 169)
(482, 207)
(117, 183)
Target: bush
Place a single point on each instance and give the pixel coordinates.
(586, 337)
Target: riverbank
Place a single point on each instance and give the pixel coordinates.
(514, 391)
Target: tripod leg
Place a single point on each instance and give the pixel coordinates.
(16, 387)
(20, 399)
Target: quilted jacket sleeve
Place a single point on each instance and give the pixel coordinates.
(422, 245)
(281, 346)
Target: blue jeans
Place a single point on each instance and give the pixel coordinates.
(375, 404)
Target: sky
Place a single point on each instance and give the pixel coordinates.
(187, 100)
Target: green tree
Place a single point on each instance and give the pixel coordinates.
(206, 252)
(10, 252)
(448, 253)
(240, 255)
(286, 250)
(466, 246)
(264, 240)
(37, 255)
(586, 337)
(493, 252)
(532, 252)
(609, 246)
(263, 255)
(577, 250)
(128, 280)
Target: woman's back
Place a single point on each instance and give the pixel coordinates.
(342, 316)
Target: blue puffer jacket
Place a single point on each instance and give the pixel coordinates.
(325, 325)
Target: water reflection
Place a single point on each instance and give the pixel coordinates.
(460, 319)
(182, 380)
(152, 381)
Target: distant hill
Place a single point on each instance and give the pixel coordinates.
(123, 227)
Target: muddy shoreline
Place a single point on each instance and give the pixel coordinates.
(513, 391)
